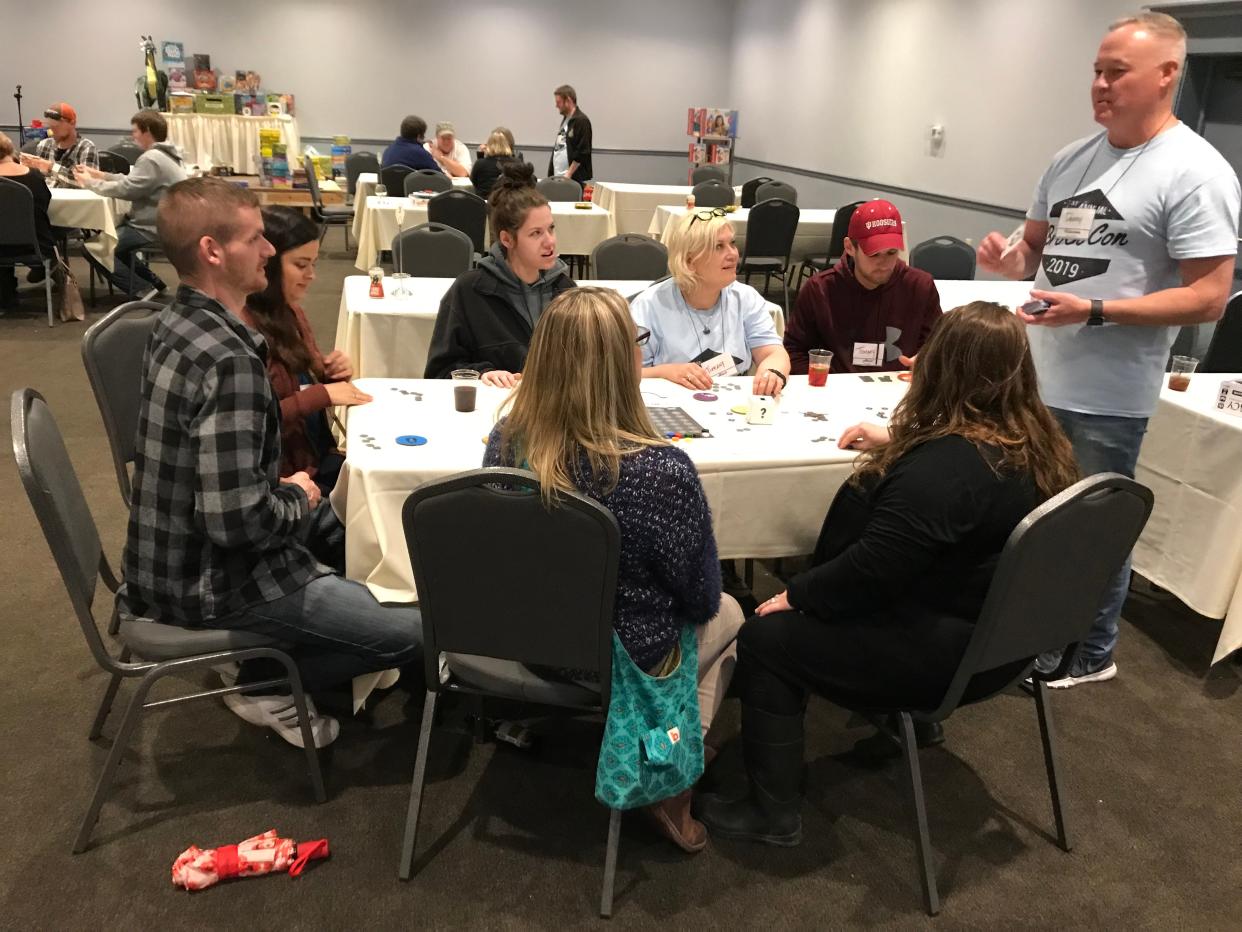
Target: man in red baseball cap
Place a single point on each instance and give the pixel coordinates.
(870, 309)
(57, 155)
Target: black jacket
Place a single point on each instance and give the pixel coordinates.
(578, 147)
(486, 172)
(483, 321)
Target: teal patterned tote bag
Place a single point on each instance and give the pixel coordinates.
(653, 742)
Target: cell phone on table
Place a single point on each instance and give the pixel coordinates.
(1035, 308)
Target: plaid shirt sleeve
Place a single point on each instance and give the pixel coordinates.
(82, 152)
(234, 497)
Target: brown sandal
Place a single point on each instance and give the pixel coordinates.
(673, 820)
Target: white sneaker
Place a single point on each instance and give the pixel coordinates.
(1077, 677)
(280, 714)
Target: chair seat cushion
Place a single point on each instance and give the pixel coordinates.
(762, 264)
(154, 640)
(817, 262)
(506, 678)
(337, 210)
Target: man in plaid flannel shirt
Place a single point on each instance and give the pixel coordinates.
(57, 155)
(217, 538)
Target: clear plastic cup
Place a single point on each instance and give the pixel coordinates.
(817, 369)
(465, 388)
(1180, 371)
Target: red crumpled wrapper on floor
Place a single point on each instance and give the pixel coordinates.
(197, 869)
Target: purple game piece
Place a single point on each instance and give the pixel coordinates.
(704, 396)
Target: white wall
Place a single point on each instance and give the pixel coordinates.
(358, 69)
(849, 87)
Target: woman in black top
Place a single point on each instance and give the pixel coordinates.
(904, 559)
(12, 170)
(488, 167)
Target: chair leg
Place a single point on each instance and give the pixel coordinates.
(922, 841)
(416, 787)
(308, 738)
(767, 281)
(610, 864)
(114, 624)
(132, 714)
(1048, 737)
(105, 705)
(47, 286)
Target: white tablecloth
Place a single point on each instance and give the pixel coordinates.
(1192, 545)
(577, 231)
(812, 238)
(209, 139)
(632, 205)
(956, 292)
(769, 487)
(364, 187)
(86, 210)
(388, 337)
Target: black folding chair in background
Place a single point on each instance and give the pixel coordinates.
(359, 163)
(19, 241)
(709, 173)
(426, 179)
(432, 250)
(712, 193)
(151, 650)
(341, 215)
(493, 634)
(557, 188)
(944, 257)
(836, 244)
(776, 189)
(770, 231)
(393, 179)
(749, 189)
(630, 257)
(113, 163)
(461, 210)
(1224, 352)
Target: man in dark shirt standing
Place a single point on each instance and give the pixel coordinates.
(216, 537)
(870, 309)
(571, 155)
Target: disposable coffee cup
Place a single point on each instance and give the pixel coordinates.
(465, 389)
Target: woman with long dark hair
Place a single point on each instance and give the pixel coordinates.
(904, 560)
(307, 383)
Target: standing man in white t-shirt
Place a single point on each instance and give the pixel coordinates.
(1132, 234)
(571, 153)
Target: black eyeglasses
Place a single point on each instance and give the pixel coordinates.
(707, 213)
(643, 336)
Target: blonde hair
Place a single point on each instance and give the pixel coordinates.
(1161, 25)
(498, 144)
(688, 238)
(6, 146)
(579, 395)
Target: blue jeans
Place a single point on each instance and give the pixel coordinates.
(333, 627)
(1103, 443)
(130, 240)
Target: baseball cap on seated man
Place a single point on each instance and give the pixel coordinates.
(875, 227)
(61, 111)
(445, 128)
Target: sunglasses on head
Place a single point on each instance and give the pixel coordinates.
(707, 213)
(643, 336)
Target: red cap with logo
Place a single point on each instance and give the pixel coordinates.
(61, 111)
(875, 227)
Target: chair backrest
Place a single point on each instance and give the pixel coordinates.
(59, 504)
(432, 250)
(786, 192)
(30, 147)
(393, 178)
(17, 222)
(944, 257)
(112, 352)
(557, 188)
(709, 173)
(630, 256)
(359, 163)
(536, 589)
(841, 228)
(750, 187)
(424, 179)
(461, 210)
(312, 182)
(1224, 353)
(113, 164)
(126, 149)
(770, 230)
(1052, 574)
(712, 193)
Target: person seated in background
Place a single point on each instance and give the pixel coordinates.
(13, 170)
(488, 314)
(449, 152)
(578, 422)
(704, 323)
(904, 560)
(487, 169)
(217, 537)
(508, 134)
(157, 169)
(308, 385)
(870, 309)
(407, 149)
(58, 155)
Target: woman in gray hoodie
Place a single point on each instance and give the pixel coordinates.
(157, 169)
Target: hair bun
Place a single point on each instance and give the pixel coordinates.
(514, 174)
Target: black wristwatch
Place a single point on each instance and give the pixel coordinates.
(780, 375)
(1096, 317)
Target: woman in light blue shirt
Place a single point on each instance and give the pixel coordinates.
(704, 323)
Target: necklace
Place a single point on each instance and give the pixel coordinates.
(718, 309)
(1133, 161)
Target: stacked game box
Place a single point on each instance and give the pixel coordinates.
(341, 150)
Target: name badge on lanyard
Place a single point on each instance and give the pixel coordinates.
(1076, 222)
(719, 365)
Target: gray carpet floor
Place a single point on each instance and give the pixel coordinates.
(514, 839)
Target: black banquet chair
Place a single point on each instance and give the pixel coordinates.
(558, 188)
(1044, 595)
(492, 634)
(19, 241)
(944, 257)
(777, 189)
(461, 210)
(432, 250)
(712, 193)
(1224, 352)
(151, 651)
(749, 189)
(341, 216)
(113, 163)
(709, 173)
(836, 244)
(359, 163)
(630, 257)
(770, 231)
(426, 179)
(393, 179)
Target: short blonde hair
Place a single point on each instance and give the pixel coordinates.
(688, 238)
(1158, 24)
(6, 146)
(579, 396)
(498, 144)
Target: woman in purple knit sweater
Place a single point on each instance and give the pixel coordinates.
(577, 420)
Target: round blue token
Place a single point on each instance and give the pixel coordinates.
(411, 440)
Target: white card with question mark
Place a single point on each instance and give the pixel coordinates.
(762, 410)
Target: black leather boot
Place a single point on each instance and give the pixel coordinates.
(879, 746)
(771, 812)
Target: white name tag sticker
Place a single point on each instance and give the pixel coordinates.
(720, 365)
(868, 354)
(1076, 222)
